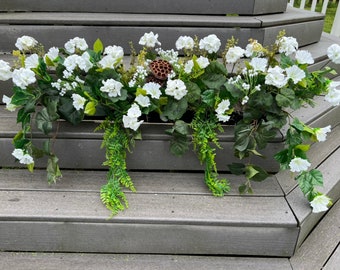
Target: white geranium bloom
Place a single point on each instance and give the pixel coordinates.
(234, 54)
(78, 101)
(320, 203)
(298, 164)
(295, 73)
(25, 43)
(185, 42)
(134, 111)
(112, 87)
(23, 77)
(131, 122)
(188, 66)
(210, 43)
(52, 54)
(304, 57)
(84, 62)
(32, 61)
(149, 40)
(223, 106)
(70, 62)
(176, 88)
(333, 95)
(113, 56)
(288, 45)
(203, 62)
(9, 106)
(321, 133)
(5, 71)
(143, 101)
(276, 77)
(114, 51)
(259, 64)
(333, 53)
(108, 62)
(153, 89)
(76, 43)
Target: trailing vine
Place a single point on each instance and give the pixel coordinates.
(116, 141)
(204, 135)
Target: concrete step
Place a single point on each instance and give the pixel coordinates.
(121, 28)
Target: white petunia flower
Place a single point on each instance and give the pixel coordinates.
(76, 43)
(9, 106)
(321, 133)
(5, 71)
(185, 42)
(114, 51)
(25, 43)
(32, 61)
(78, 101)
(113, 57)
(234, 54)
(333, 95)
(203, 62)
(223, 106)
(152, 89)
(112, 87)
(131, 122)
(143, 101)
(210, 43)
(298, 164)
(149, 40)
(259, 64)
(22, 157)
(176, 88)
(134, 111)
(295, 73)
(276, 77)
(23, 77)
(320, 203)
(304, 57)
(52, 54)
(223, 117)
(333, 53)
(188, 66)
(288, 45)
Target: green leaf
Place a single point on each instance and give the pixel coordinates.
(179, 144)
(213, 80)
(286, 97)
(237, 168)
(90, 108)
(68, 112)
(181, 127)
(242, 189)
(194, 92)
(21, 96)
(175, 109)
(53, 171)
(98, 46)
(250, 171)
(260, 175)
(308, 180)
(44, 123)
(208, 97)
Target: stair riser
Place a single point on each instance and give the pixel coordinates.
(151, 6)
(116, 35)
(146, 238)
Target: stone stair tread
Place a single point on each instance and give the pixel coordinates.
(56, 261)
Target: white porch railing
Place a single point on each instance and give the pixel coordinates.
(336, 23)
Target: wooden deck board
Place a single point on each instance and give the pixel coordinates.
(57, 261)
(324, 239)
(145, 182)
(334, 261)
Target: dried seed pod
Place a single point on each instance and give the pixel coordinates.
(160, 69)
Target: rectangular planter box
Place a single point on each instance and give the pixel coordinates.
(222, 7)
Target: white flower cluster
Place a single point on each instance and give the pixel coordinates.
(82, 62)
(25, 43)
(76, 43)
(222, 109)
(176, 88)
(149, 40)
(112, 87)
(113, 57)
(130, 120)
(23, 157)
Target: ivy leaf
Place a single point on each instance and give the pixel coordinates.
(181, 127)
(237, 168)
(44, 123)
(194, 92)
(307, 180)
(179, 144)
(68, 112)
(285, 98)
(53, 171)
(21, 96)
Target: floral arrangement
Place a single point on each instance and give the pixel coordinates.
(198, 88)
